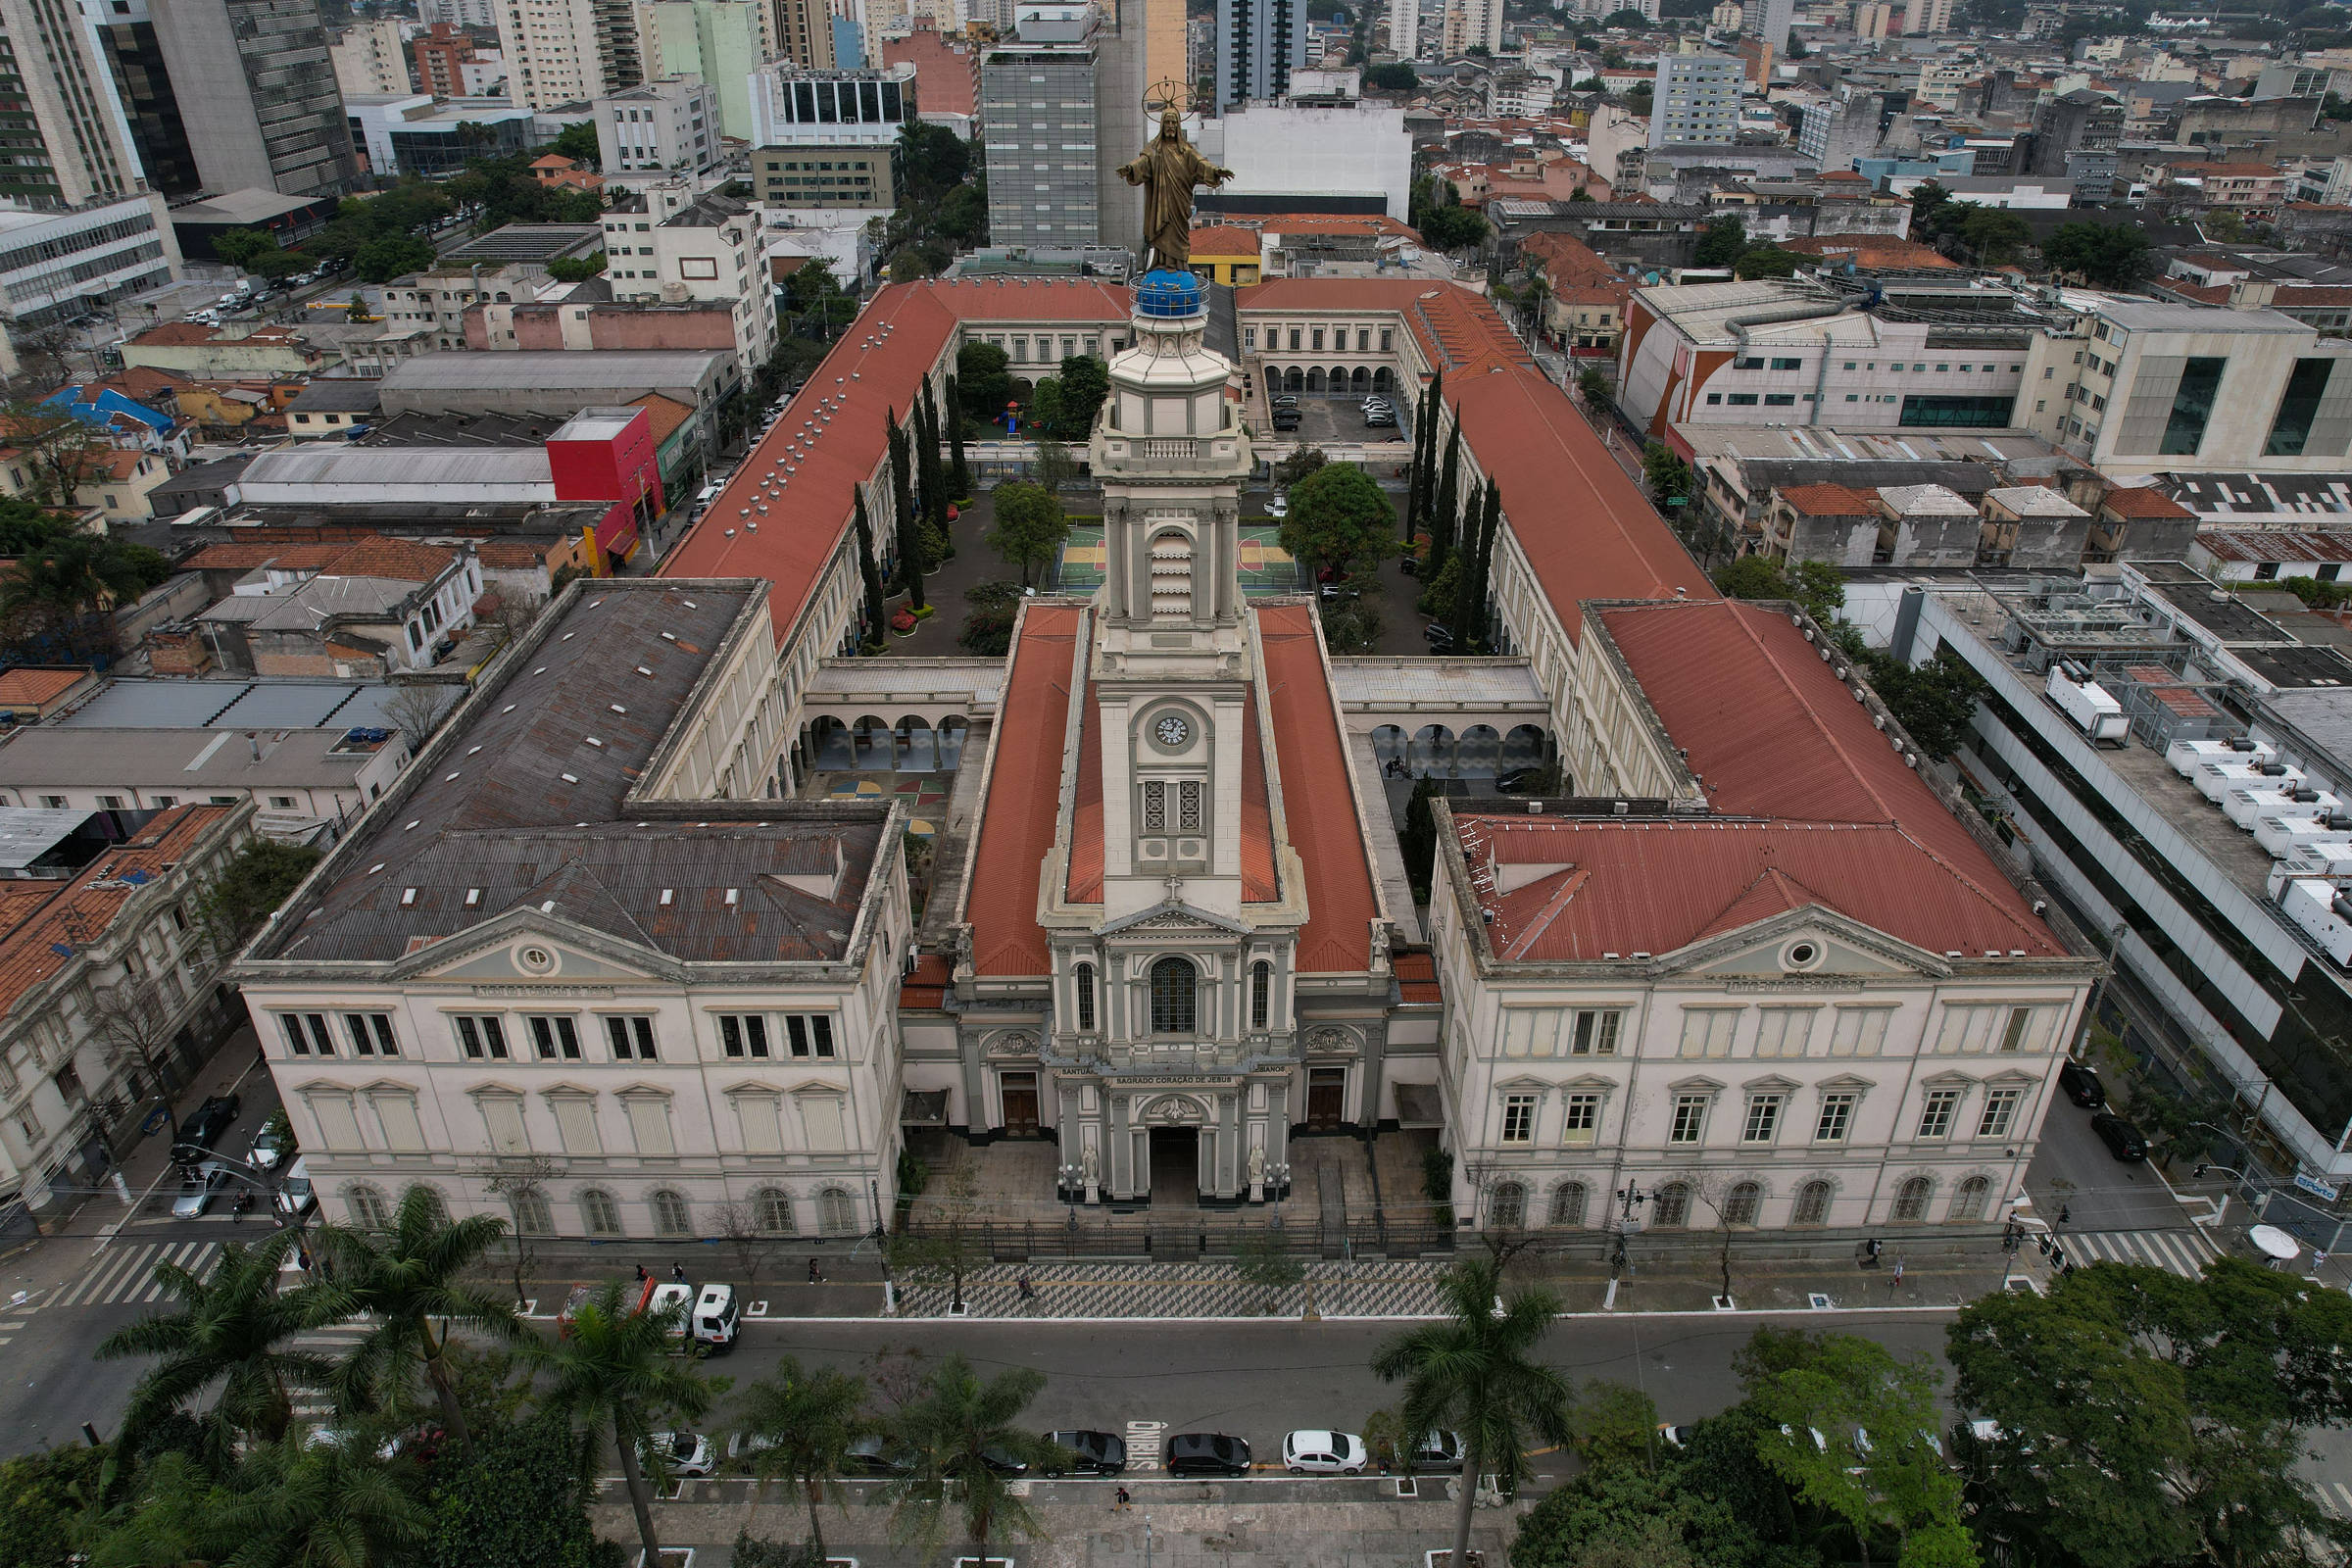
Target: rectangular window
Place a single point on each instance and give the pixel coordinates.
(1836, 1118)
(1530, 1032)
(1958, 413)
(648, 1124)
(371, 1034)
(1518, 1118)
(2192, 406)
(306, 1033)
(338, 1124)
(762, 1133)
(396, 1114)
(1779, 400)
(2000, 1110)
(2019, 1034)
(1387, 339)
(1188, 807)
(480, 1035)
(1155, 807)
(1745, 400)
(1595, 1032)
(1763, 1118)
(1707, 1031)
(1689, 1119)
(1935, 1112)
(554, 1034)
(1860, 1031)
(1249, 339)
(1791, 365)
(809, 1034)
(1318, 334)
(2291, 427)
(1582, 1121)
(1783, 1031)
(575, 1124)
(632, 1038)
(821, 1122)
(742, 1034)
(502, 1117)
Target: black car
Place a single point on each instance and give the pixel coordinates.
(2122, 1140)
(1438, 636)
(869, 1458)
(1439, 1454)
(1002, 1463)
(1092, 1454)
(1517, 779)
(2081, 1084)
(1208, 1454)
(1285, 401)
(207, 1122)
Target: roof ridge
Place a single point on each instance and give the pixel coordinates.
(1572, 882)
(1853, 764)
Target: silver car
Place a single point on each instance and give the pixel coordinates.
(197, 1189)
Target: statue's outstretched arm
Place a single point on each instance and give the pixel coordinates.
(1133, 172)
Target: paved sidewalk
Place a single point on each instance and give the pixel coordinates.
(1400, 1288)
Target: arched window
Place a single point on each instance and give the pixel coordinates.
(532, 1215)
(1967, 1199)
(599, 1212)
(1911, 1199)
(772, 1211)
(436, 1206)
(1672, 1206)
(671, 1217)
(1262, 993)
(1741, 1203)
(369, 1211)
(1568, 1201)
(836, 1211)
(1173, 981)
(1171, 562)
(1085, 999)
(1507, 1210)
(1812, 1205)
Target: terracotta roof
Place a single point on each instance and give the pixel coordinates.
(1870, 250)
(945, 83)
(1831, 499)
(2303, 545)
(1024, 785)
(39, 683)
(239, 555)
(2202, 293)
(119, 462)
(926, 984)
(1335, 223)
(47, 923)
(1224, 240)
(555, 161)
(174, 334)
(2142, 501)
(1318, 803)
(1417, 978)
(509, 555)
(374, 555)
(2288, 296)
(664, 413)
(921, 321)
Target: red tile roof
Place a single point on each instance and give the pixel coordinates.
(1318, 801)
(1831, 499)
(1224, 240)
(926, 984)
(1024, 786)
(374, 555)
(664, 413)
(869, 370)
(2142, 501)
(239, 555)
(2281, 544)
(1870, 250)
(39, 683)
(43, 925)
(1417, 978)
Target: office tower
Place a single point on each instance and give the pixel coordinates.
(1037, 98)
(1259, 43)
(1778, 15)
(670, 124)
(65, 138)
(1122, 52)
(1696, 100)
(566, 50)
(718, 42)
(368, 59)
(143, 84)
(257, 96)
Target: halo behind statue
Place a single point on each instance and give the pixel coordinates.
(1164, 94)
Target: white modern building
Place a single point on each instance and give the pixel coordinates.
(1695, 99)
(55, 266)
(709, 250)
(791, 106)
(1356, 148)
(665, 126)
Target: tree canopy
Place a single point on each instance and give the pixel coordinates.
(2110, 255)
(1029, 527)
(982, 380)
(1722, 242)
(1339, 513)
(1395, 77)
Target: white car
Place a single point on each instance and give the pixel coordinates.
(1279, 506)
(683, 1453)
(1323, 1454)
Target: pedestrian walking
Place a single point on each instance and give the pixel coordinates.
(1121, 1506)
(816, 1276)
(2065, 1212)
(641, 1274)
(677, 1271)
(1895, 1283)
(2319, 1258)
(1028, 1290)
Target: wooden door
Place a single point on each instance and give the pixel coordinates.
(1326, 1097)
(1019, 1094)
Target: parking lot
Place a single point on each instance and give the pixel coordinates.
(1325, 420)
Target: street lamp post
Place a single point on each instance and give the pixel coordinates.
(1628, 1198)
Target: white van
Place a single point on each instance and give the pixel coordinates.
(716, 1319)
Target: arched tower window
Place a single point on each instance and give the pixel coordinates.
(1174, 984)
(1086, 997)
(1171, 561)
(1262, 993)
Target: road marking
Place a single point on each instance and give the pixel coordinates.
(1142, 1442)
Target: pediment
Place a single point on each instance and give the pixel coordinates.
(1797, 949)
(1173, 915)
(530, 954)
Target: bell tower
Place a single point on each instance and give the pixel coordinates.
(1172, 664)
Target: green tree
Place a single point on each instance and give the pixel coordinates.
(231, 1327)
(1471, 1372)
(514, 1499)
(1029, 529)
(1670, 479)
(1436, 210)
(1395, 77)
(1044, 407)
(44, 1497)
(1722, 242)
(911, 564)
(960, 474)
(932, 473)
(296, 1504)
(951, 1430)
(1260, 1258)
(1817, 587)
(400, 1281)
(1302, 461)
(877, 623)
(576, 268)
(1594, 382)
(1339, 515)
(982, 380)
(575, 142)
(987, 630)
(1443, 514)
(1996, 235)
(258, 879)
(1470, 598)
(1615, 1426)
(1421, 483)
(612, 1376)
(1936, 702)
(804, 1421)
(2109, 254)
(391, 256)
(1085, 383)
(1765, 261)
(1418, 843)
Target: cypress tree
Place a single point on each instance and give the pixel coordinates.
(1470, 598)
(1449, 505)
(877, 628)
(933, 472)
(1425, 457)
(910, 528)
(960, 474)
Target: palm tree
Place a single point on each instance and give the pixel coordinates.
(613, 1373)
(403, 1279)
(1470, 1373)
(297, 1504)
(957, 1431)
(804, 1423)
(233, 1327)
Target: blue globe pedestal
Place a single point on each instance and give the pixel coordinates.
(1166, 294)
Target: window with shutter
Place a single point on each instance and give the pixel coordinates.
(820, 1118)
(648, 1124)
(575, 1123)
(1707, 1031)
(1171, 577)
(1860, 1031)
(338, 1125)
(761, 1132)
(396, 1112)
(502, 1114)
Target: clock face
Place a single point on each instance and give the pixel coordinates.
(1172, 732)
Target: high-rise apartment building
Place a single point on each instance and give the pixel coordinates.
(1696, 100)
(1123, 76)
(1776, 18)
(1037, 98)
(256, 95)
(804, 33)
(718, 42)
(1842, 129)
(65, 136)
(472, 16)
(370, 59)
(1928, 15)
(670, 124)
(441, 57)
(568, 51)
(1404, 27)
(1259, 43)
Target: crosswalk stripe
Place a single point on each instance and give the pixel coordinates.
(2183, 1252)
(103, 1278)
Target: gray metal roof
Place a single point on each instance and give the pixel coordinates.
(2140, 318)
(28, 832)
(525, 808)
(335, 463)
(184, 761)
(553, 370)
(336, 705)
(527, 242)
(336, 394)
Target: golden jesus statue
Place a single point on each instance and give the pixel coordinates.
(1168, 168)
